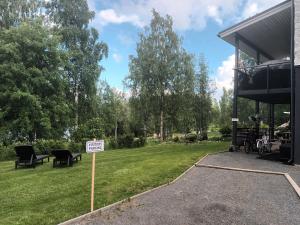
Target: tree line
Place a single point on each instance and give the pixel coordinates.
(50, 86)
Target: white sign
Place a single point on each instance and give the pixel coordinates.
(94, 146)
(235, 119)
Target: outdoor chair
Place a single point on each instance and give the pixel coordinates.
(63, 156)
(26, 156)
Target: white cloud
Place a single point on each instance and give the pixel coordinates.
(253, 7)
(111, 16)
(117, 57)
(224, 76)
(188, 14)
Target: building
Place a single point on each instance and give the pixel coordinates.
(272, 38)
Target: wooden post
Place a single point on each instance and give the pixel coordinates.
(93, 181)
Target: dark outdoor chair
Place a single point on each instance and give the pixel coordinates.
(64, 157)
(26, 156)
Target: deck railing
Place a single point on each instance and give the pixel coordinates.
(264, 77)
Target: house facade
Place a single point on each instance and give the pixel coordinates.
(272, 38)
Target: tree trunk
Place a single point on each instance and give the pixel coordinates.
(76, 106)
(161, 125)
(145, 130)
(116, 130)
(162, 116)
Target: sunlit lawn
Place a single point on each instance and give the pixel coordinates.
(48, 196)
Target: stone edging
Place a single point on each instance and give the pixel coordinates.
(286, 175)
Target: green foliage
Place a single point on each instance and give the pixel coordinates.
(203, 136)
(127, 141)
(32, 98)
(203, 99)
(113, 109)
(225, 131)
(14, 12)
(225, 108)
(176, 139)
(7, 152)
(76, 147)
(84, 52)
(160, 75)
(191, 137)
(93, 128)
(48, 145)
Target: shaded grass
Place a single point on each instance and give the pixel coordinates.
(48, 196)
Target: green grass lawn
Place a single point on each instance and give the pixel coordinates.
(48, 196)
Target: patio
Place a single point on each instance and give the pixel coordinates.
(212, 196)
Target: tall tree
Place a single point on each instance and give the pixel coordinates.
(32, 99)
(113, 110)
(71, 19)
(180, 100)
(156, 64)
(13, 12)
(203, 97)
(225, 108)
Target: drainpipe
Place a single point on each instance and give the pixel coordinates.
(292, 114)
(234, 110)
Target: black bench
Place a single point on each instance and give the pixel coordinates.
(26, 156)
(63, 156)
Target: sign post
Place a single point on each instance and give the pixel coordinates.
(93, 147)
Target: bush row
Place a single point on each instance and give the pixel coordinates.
(45, 146)
(190, 138)
(127, 141)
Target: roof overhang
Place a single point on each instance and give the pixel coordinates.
(268, 33)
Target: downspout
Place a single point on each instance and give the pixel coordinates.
(235, 96)
(292, 53)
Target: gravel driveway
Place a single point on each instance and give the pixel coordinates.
(211, 196)
(251, 161)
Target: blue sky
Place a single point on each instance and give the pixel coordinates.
(196, 21)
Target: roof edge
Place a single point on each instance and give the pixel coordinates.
(262, 15)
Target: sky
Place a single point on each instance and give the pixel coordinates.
(197, 21)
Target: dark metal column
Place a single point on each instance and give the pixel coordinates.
(257, 109)
(271, 121)
(257, 123)
(235, 95)
(295, 96)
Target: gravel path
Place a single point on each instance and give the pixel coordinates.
(251, 161)
(211, 196)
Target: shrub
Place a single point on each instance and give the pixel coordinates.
(7, 152)
(127, 141)
(176, 139)
(225, 131)
(113, 144)
(76, 147)
(43, 145)
(190, 137)
(143, 141)
(203, 137)
(216, 139)
(153, 141)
